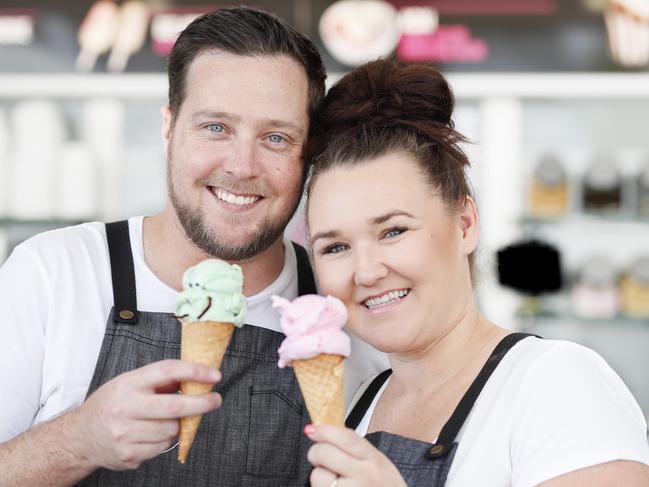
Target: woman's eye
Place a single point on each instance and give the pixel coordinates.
(216, 128)
(394, 232)
(276, 139)
(334, 249)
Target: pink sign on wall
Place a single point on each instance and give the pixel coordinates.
(447, 44)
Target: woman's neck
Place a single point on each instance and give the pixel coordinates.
(461, 348)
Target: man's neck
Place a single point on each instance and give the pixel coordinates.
(168, 253)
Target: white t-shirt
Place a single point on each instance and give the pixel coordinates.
(550, 407)
(55, 297)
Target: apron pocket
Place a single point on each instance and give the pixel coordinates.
(274, 434)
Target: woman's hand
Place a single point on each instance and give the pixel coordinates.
(341, 455)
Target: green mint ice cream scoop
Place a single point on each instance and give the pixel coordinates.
(212, 291)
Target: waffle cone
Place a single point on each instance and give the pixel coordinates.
(321, 383)
(203, 342)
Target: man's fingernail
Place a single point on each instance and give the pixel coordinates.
(215, 374)
(309, 429)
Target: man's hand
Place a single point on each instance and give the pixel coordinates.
(134, 417)
(128, 420)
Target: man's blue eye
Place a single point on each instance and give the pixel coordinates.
(215, 127)
(276, 139)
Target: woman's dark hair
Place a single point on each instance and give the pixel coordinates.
(387, 106)
(245, 32)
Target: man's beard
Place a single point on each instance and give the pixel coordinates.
(199, 231)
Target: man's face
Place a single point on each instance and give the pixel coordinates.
(235, 151)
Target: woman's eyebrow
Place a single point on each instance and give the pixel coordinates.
(377, 220)
(327, 234)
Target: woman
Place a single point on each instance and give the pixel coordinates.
(393, 228)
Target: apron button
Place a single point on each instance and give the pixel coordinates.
(435, 451)
(126, 314)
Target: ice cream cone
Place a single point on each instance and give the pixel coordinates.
(316, 347)
(321, 383)
(203, 342)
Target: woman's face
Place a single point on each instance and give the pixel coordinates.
(387, 246)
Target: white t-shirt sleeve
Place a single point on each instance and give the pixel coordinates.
(573, 412)
(23, 308)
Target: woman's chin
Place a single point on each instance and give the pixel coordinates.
(384, 342)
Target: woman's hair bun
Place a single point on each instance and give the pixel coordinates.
(384, 107)
(387, 93)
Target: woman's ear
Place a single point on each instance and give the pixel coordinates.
(470, 225)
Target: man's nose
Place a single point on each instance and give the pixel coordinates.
(369, 267)
(241, 163)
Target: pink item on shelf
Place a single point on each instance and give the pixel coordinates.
(312, 325)
(357, 31)
(591, 302)
(168, 22)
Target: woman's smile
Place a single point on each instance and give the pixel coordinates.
(386, 301)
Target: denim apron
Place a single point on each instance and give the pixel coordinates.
(421, 463)
(255, 438)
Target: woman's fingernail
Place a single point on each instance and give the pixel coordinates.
(215, 375)
(309, 429)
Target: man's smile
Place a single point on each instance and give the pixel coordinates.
(233, 199)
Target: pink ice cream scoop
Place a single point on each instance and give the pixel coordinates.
(313, 325)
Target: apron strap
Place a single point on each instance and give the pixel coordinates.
(305, 279)
(122, 273)
(363, 404)
(454, 424)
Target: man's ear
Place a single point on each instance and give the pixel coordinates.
(167, 126)
(470, 225)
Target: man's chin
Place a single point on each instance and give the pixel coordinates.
(230, 239)
(236, 247)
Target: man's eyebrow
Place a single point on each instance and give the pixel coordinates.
(377, 220)
(212, 114)
(327, 234)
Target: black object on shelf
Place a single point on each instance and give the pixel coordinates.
(602, 185)
(530, 267)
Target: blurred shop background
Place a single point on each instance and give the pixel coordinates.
(553, 94)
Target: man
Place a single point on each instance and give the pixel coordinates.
(88, 390)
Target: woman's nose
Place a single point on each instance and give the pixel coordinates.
(369, 268)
